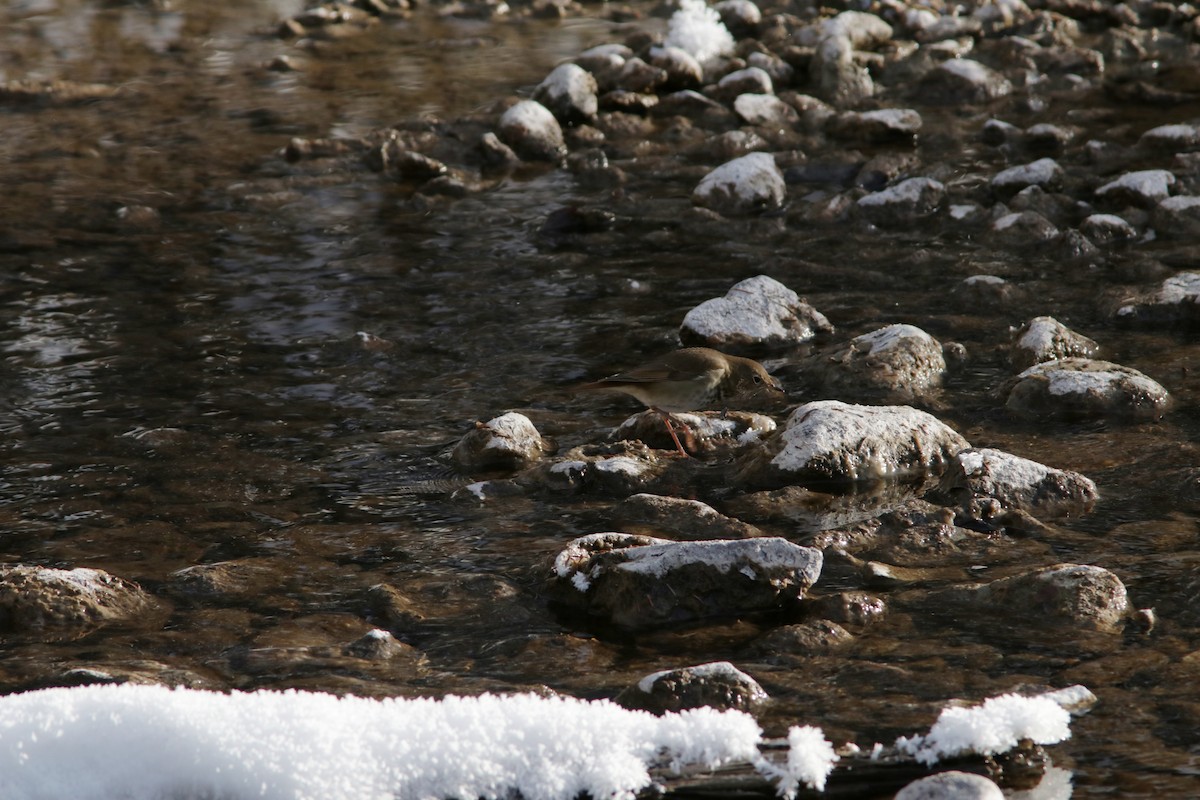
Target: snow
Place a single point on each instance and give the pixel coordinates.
(995, 726)
(697, 29)
(151, 742)
(810, 760)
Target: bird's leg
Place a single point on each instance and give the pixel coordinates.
(666, 418)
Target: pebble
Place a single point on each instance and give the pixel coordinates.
(904, 202)
(532, 132)
(1046, 339)
(951, 785)
(1044, 173)
(1145, 188)
(569, 92)
(766, 110)
(719, 685)
(1107, 229)
(1178, 217)
(1081, 387)
(962, 81)
(900, 361)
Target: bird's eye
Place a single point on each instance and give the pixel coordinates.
(758, 379)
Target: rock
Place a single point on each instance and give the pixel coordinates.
(235, 580)
(1081, 387)
(962, 81)
(765, 109)
(830, 442)
(863, 31)
(808, 511)
(849, 608)
(718, 685)
(757, 312)
(508, 442)
(618, 469)
(702, 433)
(1144, 189)
(1047, 138)
(996, 132)
(882, 125)
(741, 17)
(67, 603)
(817, 637)
(780, 72)
(532, 131)
(677, 518)
(987, 289)
(1023, 229)
(605, 63)
(951, 785)
(1063, 595)
(683, 71)
(629, 102)
(1108, 228)
(746, 185)
(903, 203)
(1178, 217)
(835, 74)
(986, 482)
(569, 93)
(1046, 339)
(902, 362)
(495, 153)
(694, 106)
(750, 80)
(638, 582)
(1171, 138)
(1044, 173)
(1176, 302)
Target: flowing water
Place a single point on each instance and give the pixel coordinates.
(191, 388)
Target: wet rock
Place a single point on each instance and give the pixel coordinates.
(628, 102)
(951, 785)
(1179, 138)
(1023, 229)
(702, 433)
(1144, 189)
(718, 685)
(806, 639)
(741, 17)
(1081, 387)
(863, 31)
(832, 442)
(1046, 339)
(766, 110)
(986, 482)
(386, 605)
(495, 153)
(987, 289)
(683, 71)
(408, 165)
(750, 80)
(903, 203)
(810, 511)
(605, 62)
(532, 132)
(678, 518)
(1044, 173)
(1178, 217)
(849, 608)
(377, 645)
(734, 144)
(638, 76)
(508, 442)
(1107, 229)
(756, 312)
(885, 168)
(620, 469)
(835, 74)
(996, 132)
(708, 113)
(1063, 595)
(231, 581)
(746, 185)
(45, 93)
(1048, 138)
(66, 602)
(639, 582)
(1176, 302)
(881, 125)
(780, 72)
(569, 93)
(899, 361)
(962, 81)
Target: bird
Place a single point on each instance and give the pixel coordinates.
(691, 379)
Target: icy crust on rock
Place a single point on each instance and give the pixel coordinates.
(768, 555)
(995, 726)
(864, 442)
(152, 742)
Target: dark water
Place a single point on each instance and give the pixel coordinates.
(191, 389)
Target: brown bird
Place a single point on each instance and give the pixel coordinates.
(689, 380)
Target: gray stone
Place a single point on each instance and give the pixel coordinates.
(757, 311)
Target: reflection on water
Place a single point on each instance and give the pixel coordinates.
(193, 391)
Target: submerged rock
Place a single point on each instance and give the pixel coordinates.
(758, 311)
(678, 518)
(507, 442)
(1046, 339)
(816, 637)
(960, 80)
(832, 442)
(619, 469)
(903, 203)
(1081, 387)
(746, 185)
(66, 602)
(639, 582)
(718, 685)
(1177, 301)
